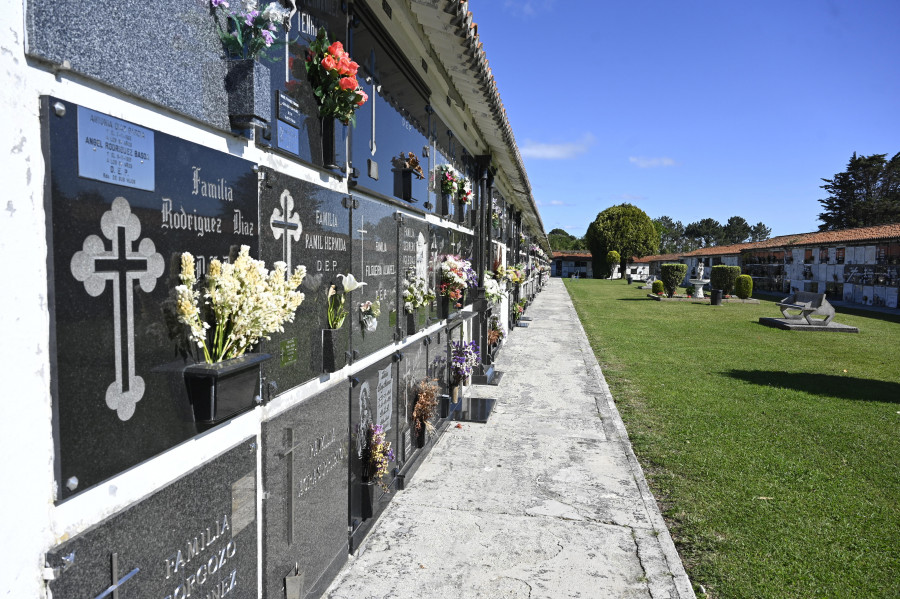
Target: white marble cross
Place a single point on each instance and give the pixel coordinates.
(286, 223)
(362, 247)
(94, 266)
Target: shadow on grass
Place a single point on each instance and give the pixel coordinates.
(842, 387)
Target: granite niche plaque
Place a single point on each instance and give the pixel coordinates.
(413, 259)
(193, 538)
(375, 228)
(123, 203)
(373, 399)
(412, 371)
(305, 461)
(302, 223)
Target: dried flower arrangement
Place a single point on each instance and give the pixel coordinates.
(410, 162)
(242, 303)
(426, 405)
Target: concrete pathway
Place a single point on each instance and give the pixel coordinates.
(546, 500)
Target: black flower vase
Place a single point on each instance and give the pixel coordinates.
(333, 356)
(412, 322)
(248, 85)
(224, 389)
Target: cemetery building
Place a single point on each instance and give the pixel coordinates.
(857, 266)
(572, 263)
(145, 154)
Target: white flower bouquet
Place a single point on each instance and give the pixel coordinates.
(241, 303)
(416, 293)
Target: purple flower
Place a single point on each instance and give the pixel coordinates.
(218, 3)
(267, 36)
(250, 17)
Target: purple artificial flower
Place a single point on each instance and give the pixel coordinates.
(250, 17)
(267, 37)
(218, 3)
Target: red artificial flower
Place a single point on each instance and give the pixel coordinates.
(352, 69)
(348, 83)
(336, 49)
(329, 63)
(364, 98)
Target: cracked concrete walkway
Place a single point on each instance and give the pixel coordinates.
(546, 500)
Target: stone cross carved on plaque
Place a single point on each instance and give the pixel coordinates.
(121, 265)
(285, 223)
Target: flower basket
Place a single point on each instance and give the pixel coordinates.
(222, 390)
(333, 355)
(248, 85)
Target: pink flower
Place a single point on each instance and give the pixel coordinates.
(348, 83)
(336, 49)
(352, 68)
(363, 97)
(328, 63)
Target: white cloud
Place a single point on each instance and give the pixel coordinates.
(561, 151)
(558, 203)
(643, 162)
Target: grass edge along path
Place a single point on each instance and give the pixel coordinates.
(774, 455)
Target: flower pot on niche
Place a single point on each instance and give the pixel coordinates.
(248, 86)
(403, 183)
(222, 390)
(445, 306)
(454, 393)
(332, 135)
(446, 201)
(420, 436)
(412, 323)
(333, 356)
(371, 493)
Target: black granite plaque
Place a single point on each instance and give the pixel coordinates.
(114, 260)
(375, 229)
(194, 538)
(412, 370)
(303, 223)
(414, 261)
(298, 129)
(305, 461)
(373, 399)
(438, 360)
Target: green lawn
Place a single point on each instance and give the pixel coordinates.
(775, 455)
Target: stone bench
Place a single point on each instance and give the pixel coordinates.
(808, 304)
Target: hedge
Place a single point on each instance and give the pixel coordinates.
(743, 287)
(723, 277)
(671, 275)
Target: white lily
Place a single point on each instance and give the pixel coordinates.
(350, 282)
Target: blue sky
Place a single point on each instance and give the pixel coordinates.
(693, 109)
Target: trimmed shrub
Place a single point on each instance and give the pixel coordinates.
(671, 275)
(612, 258)
(689, 291)
(723, 277)
(743, 287)
(657, 287)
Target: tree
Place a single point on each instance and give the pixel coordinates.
(624, 228)
(671, 234)
(866, 194)
(612, 258)
(736, 230)
(562, 240)
(759, 232)
(709, 231)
